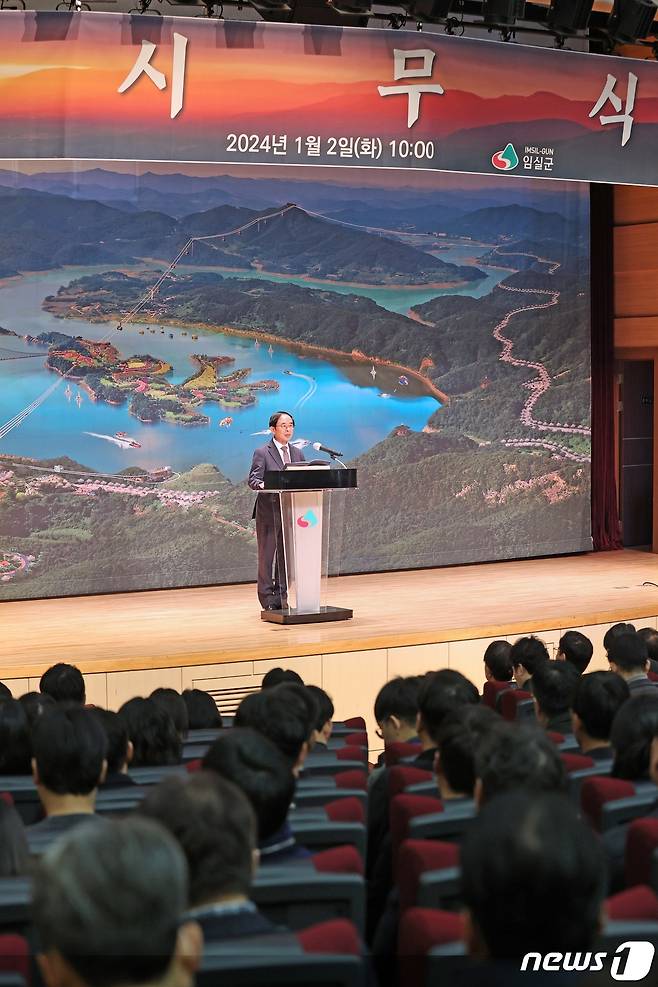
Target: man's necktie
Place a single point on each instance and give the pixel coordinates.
(286, 454)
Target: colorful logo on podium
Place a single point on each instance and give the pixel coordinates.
(307, 520)
(505, 160)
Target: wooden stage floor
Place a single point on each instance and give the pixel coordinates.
(168, 628)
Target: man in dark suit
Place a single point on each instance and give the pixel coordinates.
(275, 455)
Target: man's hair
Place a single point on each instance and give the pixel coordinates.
(628, 652)
(598, 697)
(63, 682)
(260, 770)
(533, 878)
(116, 732)
(513, 756)
(280, 714)
(650, 637)
(34, 704)
(553, 686)
(616, 631)
(276, 676)
(15, 741)
(69, 747)
(274, 419)
(108, 897)
(5, 691)
(152, 732)
(576, 649)
(216, 828)
(202, 712)
(173, 703)
(458, 739)
(529, 652)
(440, 693)
(633, 730)
(497, 659)
(399, 697)
(324, 704)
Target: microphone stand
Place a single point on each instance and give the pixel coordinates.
(335, 459)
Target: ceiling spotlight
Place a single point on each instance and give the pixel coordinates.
(631, 19)
(569, 16)
(502, 13)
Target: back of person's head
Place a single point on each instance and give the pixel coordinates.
(497, 660)
(281, 715)
(325, 707)
(529, 652)
(15, 741)
(458, 739)
(5, 691)
(152, 733)
(173, 703)
(63, 682)
(617, 630)
(440, 693)
(553, 686)
(533, 879)
(216, 828)
(276, 676)
(399, 698)
(628, 652)
(254, 763)
(119, 748)
(513, 756)
(650, 637)
(14, 855)
(597, 698)
(577, 649)
(202, 712)
(70, 748)
(633, 730)
(34, 704)
(107, 902)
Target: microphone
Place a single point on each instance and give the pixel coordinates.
(330, 452)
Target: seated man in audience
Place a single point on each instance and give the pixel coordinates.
(215, 826)
(15, 740)
(286, 714)
(173, 703)
(554, 684)
(458, 739)
(262, 772)
(276, 676)
(498, 664)
(396, 710)
(526, 654)
(598, 697)
(628, 657)
(69, 763)
(64, 683)
(107, 907)
(513, 756)
(119, 748)
(650, 637)
(527, 890)
(202, 712)
(323, 725)
(616, 631)
(152, 732)
(575, 648)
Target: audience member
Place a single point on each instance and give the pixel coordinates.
(63, 682)
(553, 687)
(628, 657)
(15, 742)
(173, 703)
(633, 730)
(284, 716)
(498, 664)
(5, 692)
(107, 907)
(69, 764)
(597, 699)
(515, 756)
(396, 709)
(650, 637)
(458, 739)
(616, 631)
(253, 763)
(440, 693)
(526, 654)
(323, 724)
(34, 704)
(216, 828)
(276, 676)
(14, 857)
(119, 748)
(202, 712)
(575, 648)
(532, 879)
(152, 733)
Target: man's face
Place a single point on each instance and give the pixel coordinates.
(283, 429)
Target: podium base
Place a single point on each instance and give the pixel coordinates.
(293, 617)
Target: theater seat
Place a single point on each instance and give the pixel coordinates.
(338, 860)
(322, 833)
(281, 961)
(152, 775)
(450, 824)
(345, 810)
(355, 723)
(399, 751)
(511, 702)
(14, 958)
(355, 778)
(418, 858)
(576, 762)
(25, 796)
(15, 898)
(336, 936)
(421, 930)
(638, 904)
(401, 776)
(403, 809)
(492, 691)
(311, 890)
(608, 802)
(358, 739)
(320, 797)
(641, 860)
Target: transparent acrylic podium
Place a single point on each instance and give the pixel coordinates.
(309, 525)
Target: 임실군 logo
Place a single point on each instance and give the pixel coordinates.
(307, 520)
(630, 962)
(505, 160)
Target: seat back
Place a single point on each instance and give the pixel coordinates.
(492, 691)
(596, 791)
(641, 855)
(120, 800)
(319, 797)
(254, 961)
(296, 895)
(15, 898)
(417, 858)
(24, 795)
(152, 775)
(451, 824)
(398, 751)
(510, 701)
(401, 776)
(320, 833)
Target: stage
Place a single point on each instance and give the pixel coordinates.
(404, 623)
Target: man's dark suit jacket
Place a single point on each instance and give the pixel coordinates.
(267, 458)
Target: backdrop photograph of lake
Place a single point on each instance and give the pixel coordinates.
(432, 327)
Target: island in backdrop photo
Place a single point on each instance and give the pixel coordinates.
(433, 327)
